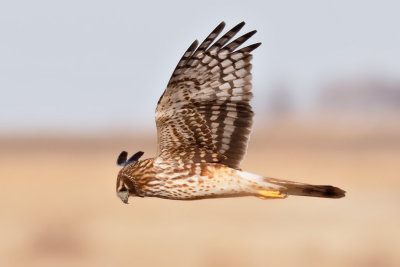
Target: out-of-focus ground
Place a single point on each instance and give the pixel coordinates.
(59, 206)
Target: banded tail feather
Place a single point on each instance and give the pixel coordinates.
(308, 190)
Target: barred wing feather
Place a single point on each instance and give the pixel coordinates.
(204, 114)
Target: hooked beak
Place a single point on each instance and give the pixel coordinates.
(124, 195)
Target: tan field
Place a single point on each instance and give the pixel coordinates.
(59, 206)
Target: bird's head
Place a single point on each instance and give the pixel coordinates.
(125, 183)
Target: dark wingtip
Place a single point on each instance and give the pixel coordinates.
(122, 158)
(221, 24)
(217, 30)
(249, 48)
(193, 46)
(238, 27)
(250, 33)
(135, 157)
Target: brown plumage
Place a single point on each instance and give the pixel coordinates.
(203, 123)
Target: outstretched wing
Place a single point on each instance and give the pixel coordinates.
(204, 114)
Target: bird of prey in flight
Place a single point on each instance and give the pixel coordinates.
(203, 123)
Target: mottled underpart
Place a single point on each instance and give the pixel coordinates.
(191, 181)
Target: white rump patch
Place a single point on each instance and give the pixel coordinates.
(251, 176)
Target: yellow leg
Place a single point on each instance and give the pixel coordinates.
(266, 194)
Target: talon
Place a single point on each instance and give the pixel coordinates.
(265, 194)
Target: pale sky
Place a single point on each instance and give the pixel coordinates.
(101, 65)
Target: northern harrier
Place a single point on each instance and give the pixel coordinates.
(203, 122)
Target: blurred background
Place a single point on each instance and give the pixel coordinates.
(79, 82)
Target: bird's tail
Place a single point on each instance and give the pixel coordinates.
(300, 189)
